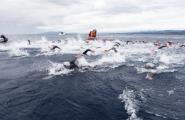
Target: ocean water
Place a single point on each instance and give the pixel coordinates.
(34, 85)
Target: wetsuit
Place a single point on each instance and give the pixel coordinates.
(117, 44)
(72, 65)
(162, 47)
(114, 49)
(29, 42)
(182, 46)
(127, 42)
(55, 47)
(86, 51)
(4, 39)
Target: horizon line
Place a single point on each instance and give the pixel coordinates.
(123, 32)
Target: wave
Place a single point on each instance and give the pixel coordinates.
(131, 103)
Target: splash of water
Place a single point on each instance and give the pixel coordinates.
(58, 69)
(131, 104)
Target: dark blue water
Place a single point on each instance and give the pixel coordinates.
(114, 91)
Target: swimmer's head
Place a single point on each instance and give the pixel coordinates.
(2, 36)
(170, 43)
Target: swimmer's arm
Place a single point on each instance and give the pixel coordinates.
(58, 47)
(111, 49)
(108, 50)
(161, 47)
(88, 50)
(182, 46)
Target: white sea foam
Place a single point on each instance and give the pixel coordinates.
(58, 69)
(170, 92)
(131, 104)
(17, 52)
(132, 54)
(166, 59)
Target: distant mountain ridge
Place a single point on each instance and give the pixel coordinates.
(167, 32)
(51, 33)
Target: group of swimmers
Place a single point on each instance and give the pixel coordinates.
(159, 45)
(92, 37)
(74, 63)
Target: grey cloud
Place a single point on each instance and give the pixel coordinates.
(17, 28)
(130, 8)
(118, 9)
(63, 2)
(32, 16)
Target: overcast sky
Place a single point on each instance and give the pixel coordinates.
(34, 16)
